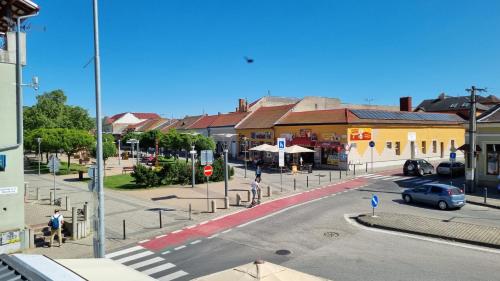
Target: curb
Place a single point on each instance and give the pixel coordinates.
(484, 205)
(467, 241)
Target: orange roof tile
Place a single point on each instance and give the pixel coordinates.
(230, 119)
(204, 122)
(264, 117)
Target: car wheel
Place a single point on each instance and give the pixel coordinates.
(442, 205)
(420, 172)
(407, 198)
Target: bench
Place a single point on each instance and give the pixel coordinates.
(127, 169)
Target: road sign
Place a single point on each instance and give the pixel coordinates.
(91, 171)
(281, 144)
(453, 155)
(374, 201)
(207, 157)
(207, 171)
(54, 164)
(281, 151)
(372, 144)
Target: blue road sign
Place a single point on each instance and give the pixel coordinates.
(281, 144)
(374, 201)
(453, 155)
(372, 144)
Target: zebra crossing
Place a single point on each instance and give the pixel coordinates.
(148, 263)
(404, 179)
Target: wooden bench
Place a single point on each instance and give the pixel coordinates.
(127, 169)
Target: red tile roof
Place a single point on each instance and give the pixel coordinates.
(264, 117)
(331, 116)
(204, 122)
(186, 122)
(230, 119)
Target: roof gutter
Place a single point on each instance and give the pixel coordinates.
(19, 93)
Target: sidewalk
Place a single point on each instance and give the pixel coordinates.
(487, 236)
(479, 200)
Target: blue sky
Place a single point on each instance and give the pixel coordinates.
(181, 57)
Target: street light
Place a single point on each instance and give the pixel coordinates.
(39, 140)
(132, 142)
(245, 139)
(226, 137)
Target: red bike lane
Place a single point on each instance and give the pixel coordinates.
(226, 222)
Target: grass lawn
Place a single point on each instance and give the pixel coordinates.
(63, 169)
(125, 181)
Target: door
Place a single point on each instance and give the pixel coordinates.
(412, 149)
(419, 193)
(442, 149)
(433, 195)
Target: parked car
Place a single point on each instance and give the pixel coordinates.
(456, 169)
(441, 195)
(417, 167)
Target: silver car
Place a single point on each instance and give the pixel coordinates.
(441, 195)
(451, 169)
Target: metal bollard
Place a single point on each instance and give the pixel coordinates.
(159, 214)
(190, 210)
(38, 194)
(307, 181)
(238, 200)
(354, 169)
(213, 206)
(74, 219)
(330, 176)
(68, 203)
(226, 202)
(86, 211)
(124, 234)
(485, 194)
(269, 191)
(340, 173)
(294, 184)
(52, 201)
(319, 179)
(259, 195)
(366, 168)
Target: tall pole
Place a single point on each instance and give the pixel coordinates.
(225, 171)
(119, 152)
(100, 249)
(192, 166)
(137, 151)
(472, 139)
(39, 154)
(246, 148)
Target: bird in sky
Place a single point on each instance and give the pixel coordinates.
(249, 60)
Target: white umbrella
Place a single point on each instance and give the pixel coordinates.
(260, 270)
(265, 147)
(297, 149)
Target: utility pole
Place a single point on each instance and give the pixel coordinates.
(471, 161)
(226, 168)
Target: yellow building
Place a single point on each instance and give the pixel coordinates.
(342, 136)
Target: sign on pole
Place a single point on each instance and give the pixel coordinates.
(207, 157)
(207, 171)
(453, 157)
(281, 151)
(54, 164)
(374, 203)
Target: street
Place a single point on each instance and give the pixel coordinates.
(316, 238)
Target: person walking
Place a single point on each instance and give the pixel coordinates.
(255, 191)
(258, 172)
(56, 222)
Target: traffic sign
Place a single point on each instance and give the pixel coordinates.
(54, 164)
(372, 144)
(281, 151)
(281, 144)
(207, 157)
(453, 155)
(207, 171)
(374, 201)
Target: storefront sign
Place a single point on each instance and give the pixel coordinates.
(260, 135)
(412, 136)
(305, 133)
(360, 134)
(8, 190)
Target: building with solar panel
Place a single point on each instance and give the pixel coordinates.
(13, 235)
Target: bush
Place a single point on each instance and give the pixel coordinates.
(146, 176)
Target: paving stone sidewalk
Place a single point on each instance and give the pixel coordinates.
(479, 200)
(487, 236)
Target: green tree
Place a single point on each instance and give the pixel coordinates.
(73, 140)
(129, 136)
(108, 147)
(51, 140)
(172, 140)
(204, 143)
(149, 138)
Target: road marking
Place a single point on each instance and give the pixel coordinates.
(191, 226)
(203, 222)
(160, 236)
(173, 276)
(143, 241)
(195, 242)
(347, 217)
(226, 231)
(422, 181)
(177, 231)
(413, 180)
(158, 268)
(124, 251)
(217, 234)
(166, 253)
(146, 262)
(395, 178)
(180, 247)
(135, 257)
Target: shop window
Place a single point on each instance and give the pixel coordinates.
(388, 145)
(424, 147)
(434, 146)
(397, 148)
(492, 159)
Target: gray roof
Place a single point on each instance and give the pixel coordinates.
(448, 103)
(490, 116)
(403, 115)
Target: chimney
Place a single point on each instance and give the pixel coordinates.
(242, 105)
(405, 104)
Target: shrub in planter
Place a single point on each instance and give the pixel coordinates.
(146, 176)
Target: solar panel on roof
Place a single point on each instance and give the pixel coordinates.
(397, 115)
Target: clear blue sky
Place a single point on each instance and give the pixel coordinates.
(182, 57)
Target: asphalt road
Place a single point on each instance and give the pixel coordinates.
(323, 243)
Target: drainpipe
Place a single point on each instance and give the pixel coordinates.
(19, 94)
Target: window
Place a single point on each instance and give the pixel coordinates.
(424, 147)
(388, 145)
(435, 189)
(397, 148)
(434, 146)
(492, 159)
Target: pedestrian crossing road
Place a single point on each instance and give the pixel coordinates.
(147, 262)
(400, 179)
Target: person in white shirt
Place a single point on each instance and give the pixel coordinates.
(56, 223)
(255, 189)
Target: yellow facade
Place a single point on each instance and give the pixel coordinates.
(323, 132)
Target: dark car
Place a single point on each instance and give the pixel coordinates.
(451, 169)
(417, 167)
(441, 195)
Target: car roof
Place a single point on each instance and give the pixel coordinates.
(446, 186)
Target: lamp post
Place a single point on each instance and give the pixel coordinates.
(119, 152)
(245, 139)
(192, 152)
(132, 142)
(226, 161)
(39, 140)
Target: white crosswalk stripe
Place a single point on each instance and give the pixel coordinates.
(146, 262)
(159, 268)
(123, 252)
(173, 276)
(135, 257)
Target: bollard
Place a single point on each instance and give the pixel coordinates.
(238, 199)
(190, 210)
(354, 169)
(319, 179)
(32, 238)
(68, 203)
(38, 194)
(259, 195)
(74, 219)
(307, 181)
(366, 168)
(485, 194)
(294, 184)
(86, 211)
(226, 202)
(330, 176)
(213, 206)
(52, 201)
(159, 215)
(124, 234)
(269, 191)
(340, 173)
